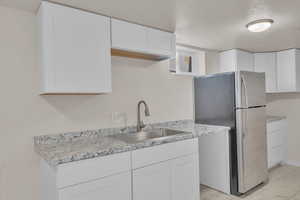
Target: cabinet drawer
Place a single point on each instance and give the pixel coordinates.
(276, 125)
(109, 188)
(151, 155)
(92, 169)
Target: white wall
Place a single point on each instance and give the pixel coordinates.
(24, 114)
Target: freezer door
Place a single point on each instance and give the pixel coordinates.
(215, 99)
(251, 147)
(250, 89)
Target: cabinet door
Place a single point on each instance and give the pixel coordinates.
(129, 37)
(266, 62)
(160, 42)
(245, 61)
(75, 50)
(275, 157)
(236, 60)
(215, 168)
(153, 182)
(228, 61)
(185, 178)
(111, 188)
(277, 142)
(286, 71)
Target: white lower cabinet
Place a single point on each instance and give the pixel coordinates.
(153, 182)
(170, 172)
(110, 188)
(90, 179)
(163, 172)
(215, 168)
(185, 178)
(277, 142)
(171, 180)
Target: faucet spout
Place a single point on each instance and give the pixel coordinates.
(140, 123)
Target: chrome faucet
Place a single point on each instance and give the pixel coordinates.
(140, 123)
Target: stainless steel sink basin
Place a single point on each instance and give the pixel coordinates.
(133, 138)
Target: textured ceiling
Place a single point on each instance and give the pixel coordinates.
(212, 24)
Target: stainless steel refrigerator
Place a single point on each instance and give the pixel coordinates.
(238, 100)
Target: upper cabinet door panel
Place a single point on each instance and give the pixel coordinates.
(228, 61)
(76, 50)
(160, 42)
(286, 70)
(128, 36)
(245, 61)
(142, 40)
(236, 60)
(266, 62)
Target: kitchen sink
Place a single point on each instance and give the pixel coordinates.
(156, 134)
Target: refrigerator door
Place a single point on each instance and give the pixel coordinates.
(251, 147)
(250, 89)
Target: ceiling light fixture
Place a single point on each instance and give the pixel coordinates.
(260, 25)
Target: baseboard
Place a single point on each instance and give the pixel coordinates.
(293, 163)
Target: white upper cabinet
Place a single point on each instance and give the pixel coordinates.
(266, 62)
(161, 43)
(74, 51)
(288, 70)
(127, 36)
(236, 60)
(140, 39)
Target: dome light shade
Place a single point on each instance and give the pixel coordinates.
(260, 25)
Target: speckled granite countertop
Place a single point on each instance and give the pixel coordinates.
(271, 118)
(69, 147)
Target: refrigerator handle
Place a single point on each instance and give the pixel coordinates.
(244, 126)
(245, 87)
(242, 148)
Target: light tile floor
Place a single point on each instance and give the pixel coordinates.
(284, 184)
